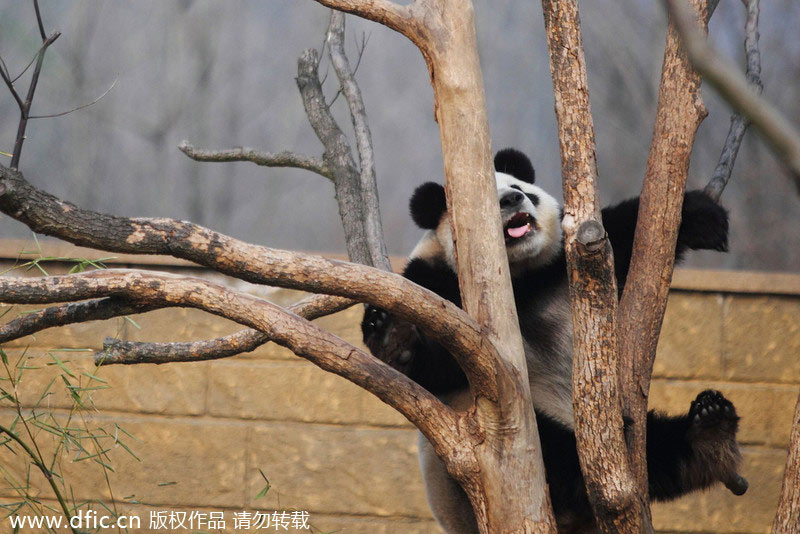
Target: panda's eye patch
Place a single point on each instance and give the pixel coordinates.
(533, 198)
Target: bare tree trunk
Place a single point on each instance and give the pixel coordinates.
(644, 301)
(787, 518)
(593, 288)
(507, 486)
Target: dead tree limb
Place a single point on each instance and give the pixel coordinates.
(71, 313)
(642, 306)
(739, 123)
(509, 495)
(593, 288)
(46, 214)
(734, 88)
(265, 159)
(133, 352)
(368, 186)
(787, 518)
(439, 423)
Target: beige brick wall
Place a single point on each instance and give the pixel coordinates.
(206, 430)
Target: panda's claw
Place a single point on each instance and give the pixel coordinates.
(711, 410)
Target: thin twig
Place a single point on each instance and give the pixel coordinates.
(26, 107)
(733, 87)
(266, 159)
(10, 84)
(739, 123)
(39, 20)
(93, 102)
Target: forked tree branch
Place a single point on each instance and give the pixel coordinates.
(444, 322)
(368, 187)
(132, 352)
(733, 87)
(356, 187)
(593, 290)
(265, 159)
(739, 123)
(444, 32)
(302, 337)
(643, 303)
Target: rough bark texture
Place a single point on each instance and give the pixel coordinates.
(787, 518)
(506, 487)
(593, 290)
(368, 187)
(444, 428)
(48, 215)
(265, 159)
(337, 157)
(641, 309)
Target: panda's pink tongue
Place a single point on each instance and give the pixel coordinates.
(518, 232)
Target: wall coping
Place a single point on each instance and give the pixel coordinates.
(701, 280)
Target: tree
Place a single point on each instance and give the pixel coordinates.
(492, 449)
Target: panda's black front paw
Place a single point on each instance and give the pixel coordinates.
(390, 340)
(704, 223)
(712, 412)
(374, 326)
(375, 320)
(712, 435)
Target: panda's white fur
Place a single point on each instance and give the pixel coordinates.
(550, 374)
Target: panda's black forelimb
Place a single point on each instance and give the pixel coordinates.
(693, 451)
(704, 226)
(402, 346)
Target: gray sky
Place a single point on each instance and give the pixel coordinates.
(221, 74)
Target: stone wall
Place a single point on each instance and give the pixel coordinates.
(205, 432)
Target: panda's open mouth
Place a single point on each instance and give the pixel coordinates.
(518, 226)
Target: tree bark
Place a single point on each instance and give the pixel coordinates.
(787, 518)
(593, 289)
(507, 487)
(641, 309)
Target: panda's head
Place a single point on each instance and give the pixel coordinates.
(531, 217)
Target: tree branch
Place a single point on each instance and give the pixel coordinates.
(74, 312)
(444, 322)
(26, 106)
(337, 157)
(132, 352)
(641, 308)
(739, 123)
(302, 337)
(265, 159)
(368, 185)
(386, 12)
(733, 87)
(787, 518)
(593, 290)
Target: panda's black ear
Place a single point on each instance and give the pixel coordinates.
(512, 161)
(427, 205)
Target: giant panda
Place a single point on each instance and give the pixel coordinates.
(685, 453)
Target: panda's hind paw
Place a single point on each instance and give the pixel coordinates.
(711, 411)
